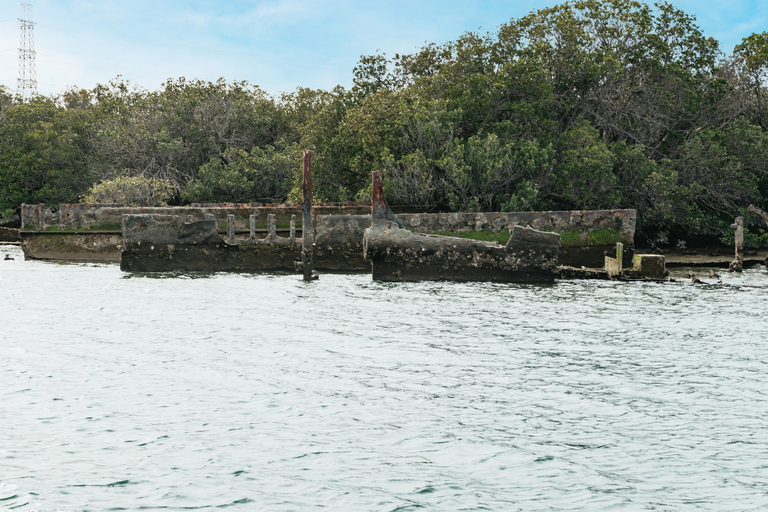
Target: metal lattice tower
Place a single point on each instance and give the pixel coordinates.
(27, 81)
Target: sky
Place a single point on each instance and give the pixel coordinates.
(277, 44)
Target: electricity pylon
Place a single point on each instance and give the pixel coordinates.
(27, 81)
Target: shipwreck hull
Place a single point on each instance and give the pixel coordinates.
(398, 254)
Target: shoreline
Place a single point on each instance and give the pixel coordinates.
(705, 258)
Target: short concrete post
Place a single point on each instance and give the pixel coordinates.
(40, 217)
(307, 232)
(253, 228)
(230, 229)
(737, 265)
(614, 265)
(271, 226)
(189, 219)
(293, 229)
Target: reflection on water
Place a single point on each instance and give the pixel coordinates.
(262, 392)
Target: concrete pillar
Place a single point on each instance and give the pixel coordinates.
(40, 217)
(293, 229)
(271, 226)
(253, 228)
(230, 229)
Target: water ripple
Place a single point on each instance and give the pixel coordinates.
(202, 391)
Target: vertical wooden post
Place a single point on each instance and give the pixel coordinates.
(293, 229)
(737, 265)
(189, 219)
(230, 229)
(253, 228)
(307, 230)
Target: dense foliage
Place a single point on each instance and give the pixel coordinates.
(589, 104)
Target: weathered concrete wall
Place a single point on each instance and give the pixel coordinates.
(580, 227)
(108, 217)
(339, 242)
(165, 243)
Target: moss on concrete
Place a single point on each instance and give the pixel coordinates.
(598, 237)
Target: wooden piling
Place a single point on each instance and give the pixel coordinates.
(307, 231)
(737, 265)
(253, 228)
(293, 229)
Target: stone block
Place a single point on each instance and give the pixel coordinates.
(652, 266)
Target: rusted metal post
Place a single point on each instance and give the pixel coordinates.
(380, 211)
(307, 232)
(738, 264)
(230, 229)
(293, 229)
(253, 228)
(378, 205)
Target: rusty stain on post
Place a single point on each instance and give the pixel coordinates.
(380, 211)
(378, 205)
(306, 209)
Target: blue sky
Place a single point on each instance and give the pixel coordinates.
(277, 44)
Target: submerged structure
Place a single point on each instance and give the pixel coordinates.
(397, 254)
